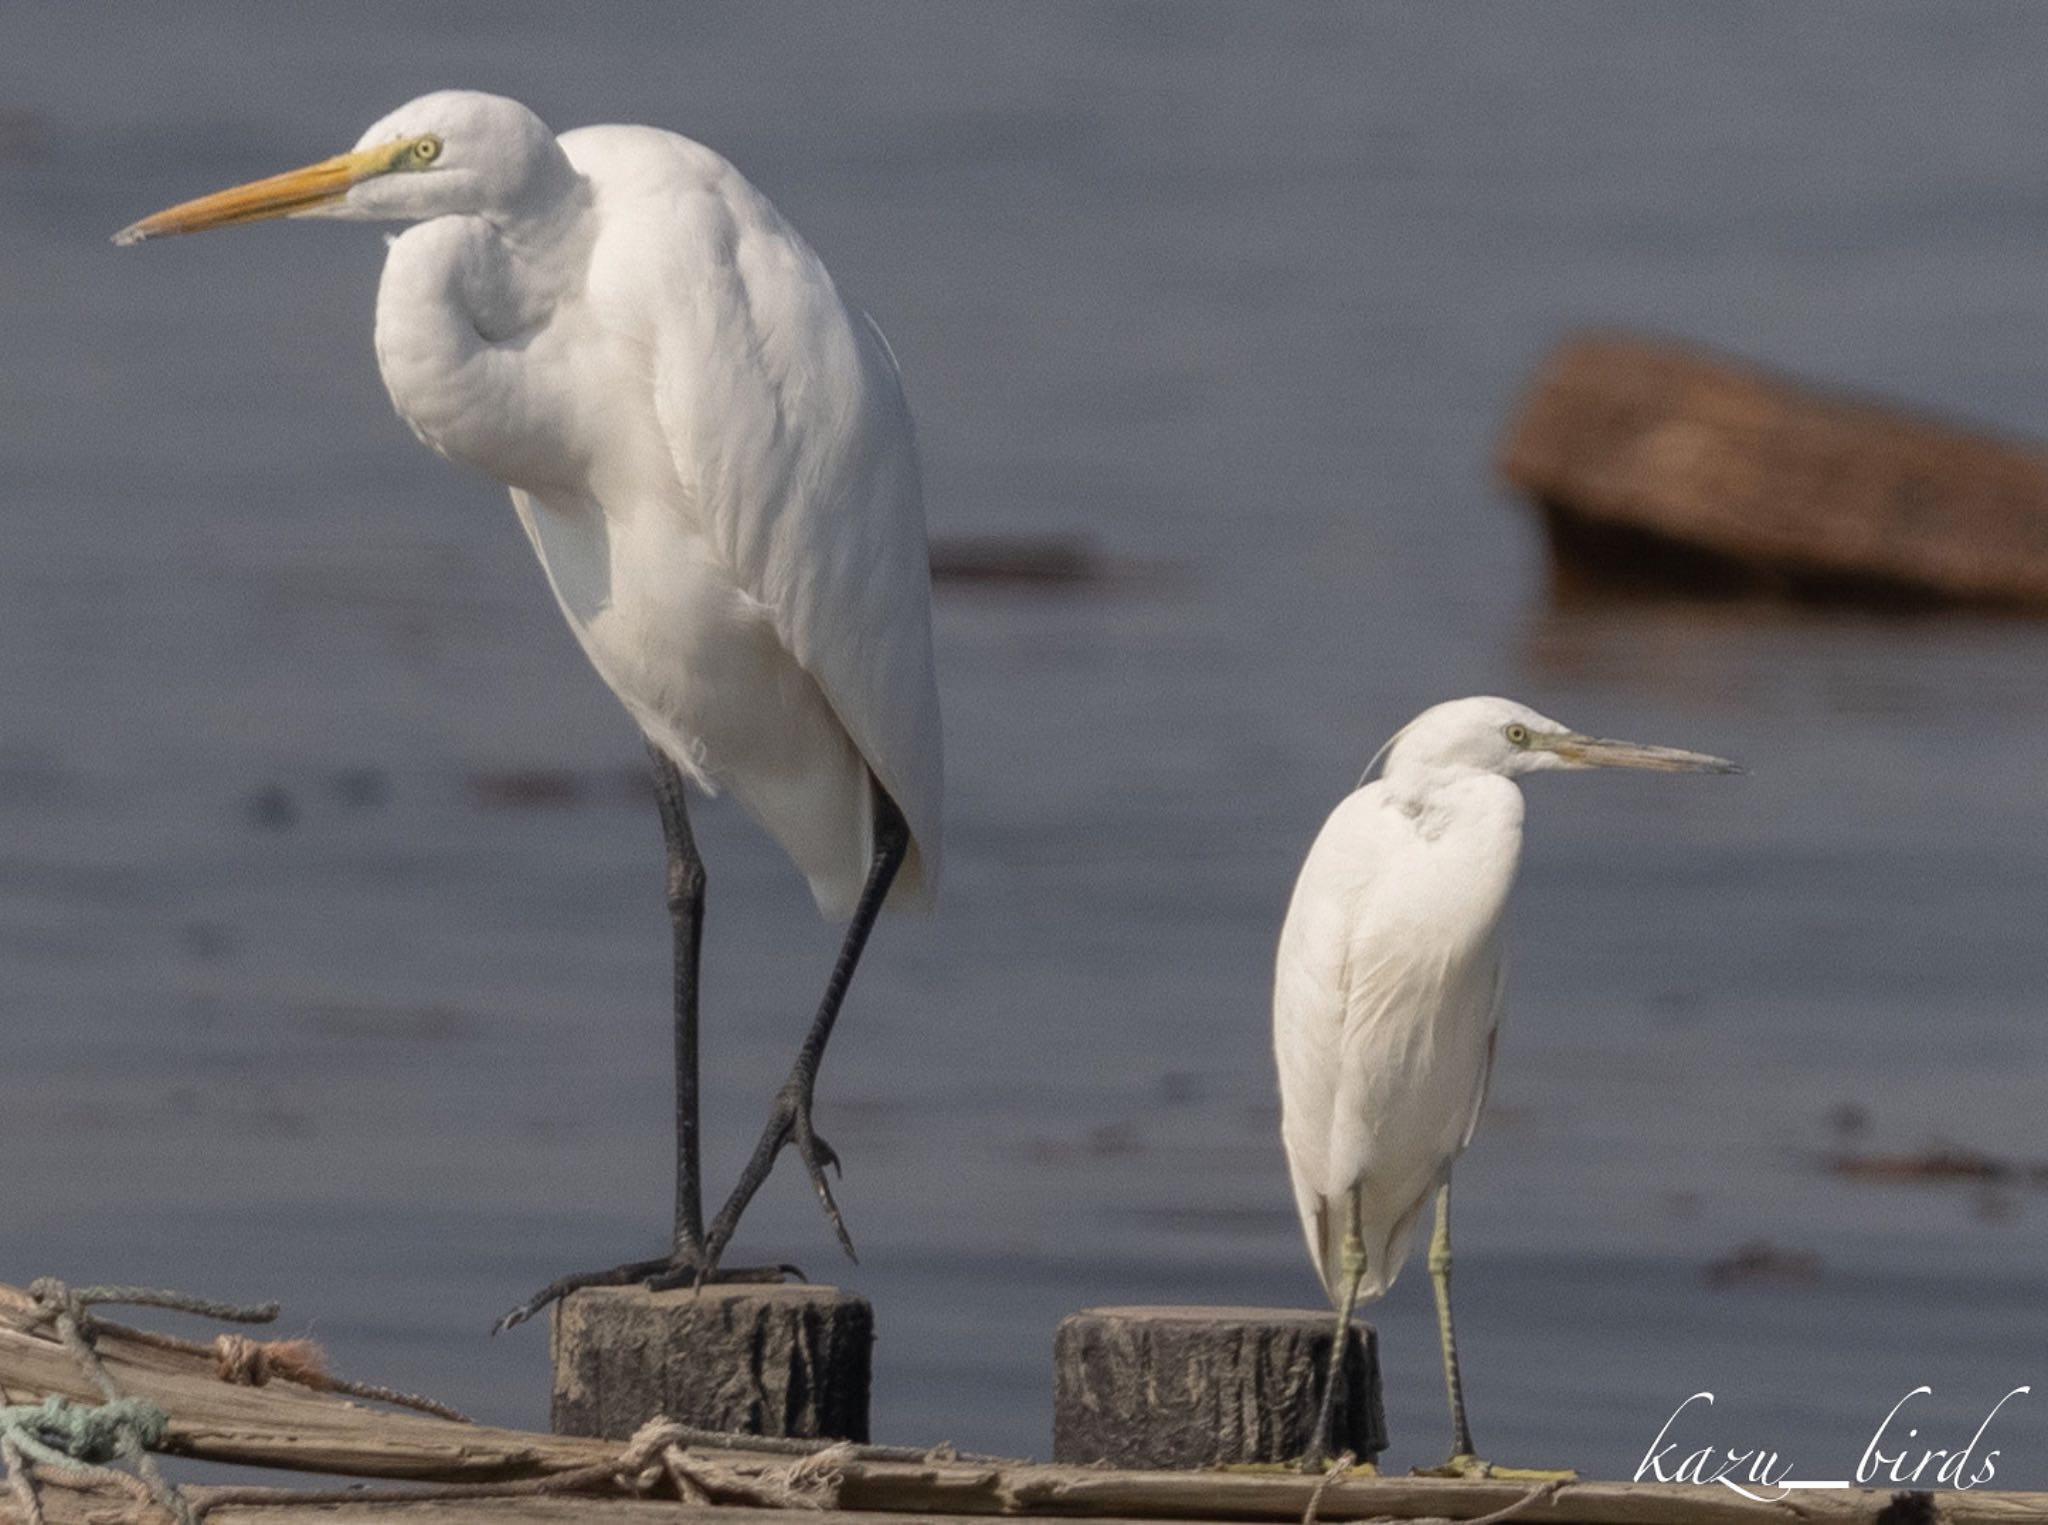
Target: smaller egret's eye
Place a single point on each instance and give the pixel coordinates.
(1517, 734)
(426, 150)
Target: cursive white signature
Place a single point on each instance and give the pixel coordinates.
(1757, 1468)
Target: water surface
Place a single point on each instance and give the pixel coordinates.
(292, 1006)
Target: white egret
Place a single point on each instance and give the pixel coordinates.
(1387, 994)
(710, 451)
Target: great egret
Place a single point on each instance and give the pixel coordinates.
(1387, 993)
(711, 453)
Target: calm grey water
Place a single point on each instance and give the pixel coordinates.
(291, 1004)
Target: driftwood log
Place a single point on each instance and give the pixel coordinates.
(1652, 461)
(1203, 1387)
(755, 1359)
(287, 1425)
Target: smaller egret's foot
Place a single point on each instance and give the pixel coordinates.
(663, 1275)
(789, 1125)
(1467, 1465)
(1319, 1464)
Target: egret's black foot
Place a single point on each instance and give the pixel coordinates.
(663, 1275)
(1467, 1465)
(789, 1124)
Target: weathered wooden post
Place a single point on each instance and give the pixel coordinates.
(747, 1357)
(1199, 1387)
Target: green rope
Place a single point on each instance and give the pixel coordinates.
(60, 1433)
(125, 1427)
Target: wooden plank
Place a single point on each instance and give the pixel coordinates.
(281, 1424)
(68, 1506)
(1586, 1504)
(286, 1425)
(1640, 449)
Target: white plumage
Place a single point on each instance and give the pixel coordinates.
(1386, 1001)
(710, 451)
(1387, 986)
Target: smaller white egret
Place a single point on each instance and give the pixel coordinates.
(1387, 995)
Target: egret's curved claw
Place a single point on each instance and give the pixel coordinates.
(816, 1155)
(664, 1275)
(617, 1276)
(710, 1276)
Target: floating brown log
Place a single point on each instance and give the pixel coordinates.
(750, 1358)
(1203, 1387)
(1649, 459)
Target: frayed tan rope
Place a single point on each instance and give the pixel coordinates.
(655, 1454)
(1338, 1468)
(790, 1445)
(392, 1395)
(688, 1489)
(1541, 1493)
(26, 1483)
(237, 1359)
(20, 1483)
(814, 1482)
(252, 1363)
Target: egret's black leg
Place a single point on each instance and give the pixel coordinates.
(687, 1260)
(686, 921)
(789, 1121)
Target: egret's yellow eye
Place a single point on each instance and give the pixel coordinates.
(1517, 734)
(426, 150)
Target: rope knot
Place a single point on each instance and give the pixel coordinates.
(241, 1360)
(54, 1297)
(83, 1432)
(252, 1363)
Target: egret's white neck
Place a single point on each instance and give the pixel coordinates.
(1435, 791)
(525, 260)
(459, 296)
(1413, 779)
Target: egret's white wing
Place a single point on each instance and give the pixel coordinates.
(1386, 991)
(1485, 1082)
(786, 422)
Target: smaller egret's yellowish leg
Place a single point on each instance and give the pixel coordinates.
(1440, 1280)
(1351, 1270)
(1463, 1461)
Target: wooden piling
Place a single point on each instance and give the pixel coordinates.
(788, 1360)
(1197, 1387)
